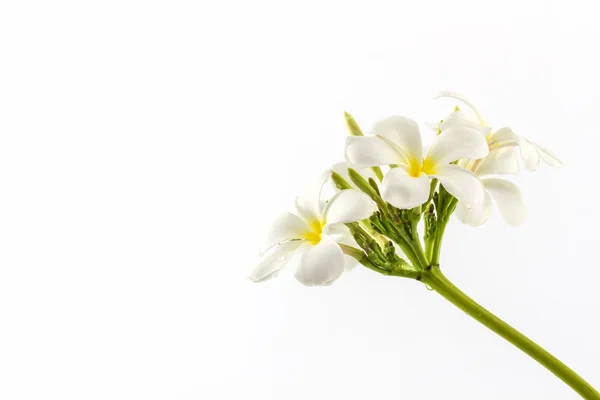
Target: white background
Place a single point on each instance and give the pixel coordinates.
(145, 146)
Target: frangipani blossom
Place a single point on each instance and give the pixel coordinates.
(312, 236)
(501, 160)
(504, 193)
(396, 141)
(531, 153)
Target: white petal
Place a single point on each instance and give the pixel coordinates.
(350, 264)
(460, 97)
(458, 119)
(322, 264)
(458, 142)
(370, 151)
(508, 198)
(286, 227)
(503, 135)
(309, 203)
(348, 206)
(499, 162)
(340, 233)
(475, 216)
(404, 191)
(274, 260)
(529, 154)
(462, 184)
(403, 132)
(548, 157)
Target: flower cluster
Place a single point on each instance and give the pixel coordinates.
(374, 218)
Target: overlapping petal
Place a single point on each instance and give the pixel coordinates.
(456, 143)
(508, 198)
(308, 203)
(458, 119)
(404, 191)
(348, 206)
(403, 132)
(462, 184)
(499, 162)
(370, 151)
(321, 264)
(503, 136)
(477, 215)
(286, 227)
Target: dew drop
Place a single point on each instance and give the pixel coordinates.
(429, 288)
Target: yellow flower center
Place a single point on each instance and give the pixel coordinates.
(428, 166)
(415, 167)
(314, 235)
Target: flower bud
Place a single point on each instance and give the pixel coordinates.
(353, 127)
(339, 181)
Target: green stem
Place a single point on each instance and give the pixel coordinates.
(436, 280)
(443, 217)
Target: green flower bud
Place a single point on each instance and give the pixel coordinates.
(353, 127)
(339, 181)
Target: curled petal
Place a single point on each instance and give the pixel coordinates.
(475, 216)
(321, 264)
(508, 198)
(403, 132)
(460, 97)
(458, 142)
(274, 260)
(529, 154)
(547, 156)
(370, 151)
(286, 227)
(403, 190)
(348, 206)
(503, 136)
(462, 184)
(309, 204)
(499, 162)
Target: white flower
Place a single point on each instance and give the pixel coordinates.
(397, 140)
(531, 153)
(501, 160)
(312, 236)
(505, 193)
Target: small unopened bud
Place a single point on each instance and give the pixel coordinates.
(374, 185)
(353, 127)
(339, 181)
(361, 183)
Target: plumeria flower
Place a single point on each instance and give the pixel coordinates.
(396, 141)
(312, 237)
(531, 153)
(501, 160)
(504, 193)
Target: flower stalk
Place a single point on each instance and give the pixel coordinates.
(425, 268)
(436, 280)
